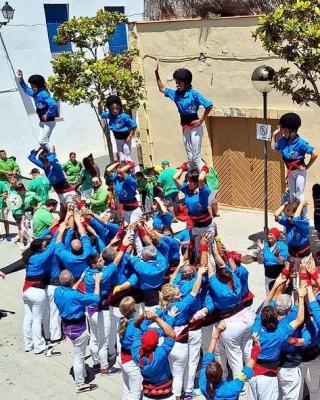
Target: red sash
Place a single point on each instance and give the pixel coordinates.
(293, 165)
(157, 390)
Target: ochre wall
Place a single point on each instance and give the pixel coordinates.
(231, 56)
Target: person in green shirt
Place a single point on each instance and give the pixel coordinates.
(4, 212)
(142, 187)
(43, 217)
(99, 196)
(169, 187)
(213, 185)
(8, 166)
(87, 174)
(40, 185)
(72, 169)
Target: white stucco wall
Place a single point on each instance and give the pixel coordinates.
(26, 40)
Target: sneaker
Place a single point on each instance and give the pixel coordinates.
(193, 394)
(8, 238)
(113, 371)
(51, 353)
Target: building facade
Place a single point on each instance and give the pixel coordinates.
(27, 43)
(222, 55)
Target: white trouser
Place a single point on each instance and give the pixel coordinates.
(235, 342)
(196, 234)
(130, 217)
(192, 139)
(51, 318)
(310, 372)
(79, 355)
(290, 382)
(46, 129)
(194, 345)
(100, 325)
(132, 380)
(123, 149)
(178, 359)
(86, 194)
(115, 316)
(297, 183)
(263, 388)
(34, 304)
(67, 198)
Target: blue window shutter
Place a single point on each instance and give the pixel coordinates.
(56, 14)
(118, 42)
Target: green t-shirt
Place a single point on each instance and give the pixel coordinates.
(3, 189)
(87, 180)
(16, 202)
(72, 171)
(167, 182)
(212, 179)
(41, 187)
(142, 185)
(98, 200)
(8, 165)
(42, 219)
(32, 200)
(150, 188)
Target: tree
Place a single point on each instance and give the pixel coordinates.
(292, 32)
(90, 73)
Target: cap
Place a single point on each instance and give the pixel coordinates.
(35, 171)
(165, 162)
(149, 340)
(275, 232)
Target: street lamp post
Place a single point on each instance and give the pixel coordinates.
(261, 79)
(7, 12)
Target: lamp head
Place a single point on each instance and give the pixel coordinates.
(262, 78)
(7, 11)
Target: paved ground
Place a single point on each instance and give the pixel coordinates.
(24, 376)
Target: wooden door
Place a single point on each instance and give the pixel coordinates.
(239, 160)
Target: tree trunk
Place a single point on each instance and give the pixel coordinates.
(105, 128)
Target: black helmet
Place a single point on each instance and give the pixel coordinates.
(37, 80)
(290, 121)
(113, 99)
(184, 75)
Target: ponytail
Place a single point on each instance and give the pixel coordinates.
(211, 390)
(123, 327)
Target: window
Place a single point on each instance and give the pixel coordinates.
(118, 42)
(56, 14)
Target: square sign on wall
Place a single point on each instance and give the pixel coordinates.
(264, 132)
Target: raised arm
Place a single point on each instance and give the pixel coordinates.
(213, 344)
(275, 137)
(159, 81)
(300, 207)
(197, 285)
(111, 168)
(302, 291)
(160, 203)
(177, 176)
(278, 285)
(279, 211)
(167, 329)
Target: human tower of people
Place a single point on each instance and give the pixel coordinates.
(167, 307)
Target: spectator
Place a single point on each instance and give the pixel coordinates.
(43, 217)
(39, 185)
(8, 166)
(72, 169)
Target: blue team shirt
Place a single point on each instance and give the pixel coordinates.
(296, 150)
(37, 264)
(126, 189)
(174, 249)
(269, 259)
(185, 310)
(224, 298)
(109, 279)
(226, 390)
(71, 303)
(196, 202)
(297, 231)
(162, 220)
(45, 104)
(187, 102)
(131, 334)
(119, 123)
(150, 274)
(54, 173)
(75, 263)
(158, 370)
(106, 232)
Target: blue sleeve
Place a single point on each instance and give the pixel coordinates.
(239, 381)
(98, 227)
(204, 194)
(285, 331)
(45, 233)
(283, 220)
(86, 299)
(256, 327)
(52, 104)
(171, 93)
(167, 218)
(27, 89)
(186, 302)
(100, 244)
(284, 253)
(315, 311)
(33, 158)
(105, 114)
(168, 344)
(306, 336)
(87, 248)
(163, 247)
(131, 123)
(68, 239)
(202, 100)
(307, 148)
(129, 180)
(183, 188)
(45, 255)
(208, 303)
(133, 280)
(302, 224)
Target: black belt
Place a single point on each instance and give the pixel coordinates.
(74, 321)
